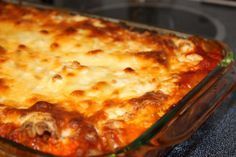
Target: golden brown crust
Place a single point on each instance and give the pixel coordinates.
(73, 85)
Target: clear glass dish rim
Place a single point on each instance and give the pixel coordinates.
(145, 137)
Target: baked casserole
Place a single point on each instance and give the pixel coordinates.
(73, 85)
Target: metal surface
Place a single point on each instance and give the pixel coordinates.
(220, 29)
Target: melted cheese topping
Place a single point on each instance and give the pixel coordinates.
(111, 76)
(81, 63)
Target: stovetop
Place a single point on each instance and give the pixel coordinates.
(187, 16)
(177, 17)
(217, 137)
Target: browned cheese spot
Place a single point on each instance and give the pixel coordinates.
(113, 81)
(75, 65)
(2, 60)
(2, 50)
(160, 57)
(78, 93)
(3, 85)
(150, 98)
(116, 92)
(54, 46)
(44, 60)
(70, 31)
(70, 74)
(33, 99)
(42, 106)
(99, 85)
(57, 77)
(22, 47)
(129, 70)
(43, 31)
(94, 52)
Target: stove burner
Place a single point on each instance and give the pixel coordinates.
(176, 18)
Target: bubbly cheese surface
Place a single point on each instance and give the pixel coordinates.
(84, 83)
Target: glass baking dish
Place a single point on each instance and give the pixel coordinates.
(179, 123)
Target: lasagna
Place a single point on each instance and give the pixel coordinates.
(72, 85)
